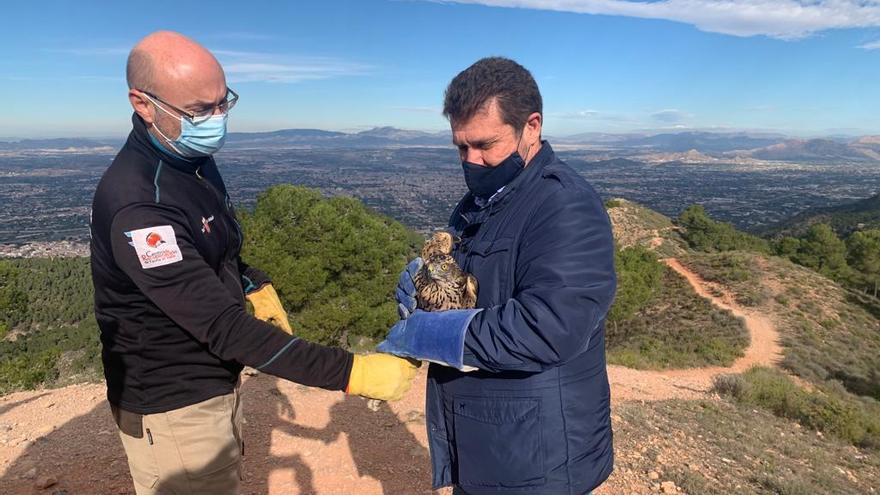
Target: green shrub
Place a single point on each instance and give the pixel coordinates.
(820, 249)
(28, 370)
(13, 301)
(57, 337)
(735, 270)
(827, 409)
(333, 262)
(638, 280)
(35, 358)
(676, 329)
(705, 234)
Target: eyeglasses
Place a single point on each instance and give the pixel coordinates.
(199, 117)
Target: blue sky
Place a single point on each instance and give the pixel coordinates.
(803, 67)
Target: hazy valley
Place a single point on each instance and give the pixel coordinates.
(414, 177)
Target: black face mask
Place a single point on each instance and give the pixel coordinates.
(485, 181)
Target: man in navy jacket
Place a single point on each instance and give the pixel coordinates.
(518, 398)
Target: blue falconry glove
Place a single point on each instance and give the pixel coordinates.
(406, 289)
(436, 336)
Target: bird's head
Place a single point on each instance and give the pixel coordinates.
(441, 268)
(440, 243)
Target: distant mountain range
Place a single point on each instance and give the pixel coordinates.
(713, 145)
(313, 138)
(706, 142)
(58, 144)
(815, 150)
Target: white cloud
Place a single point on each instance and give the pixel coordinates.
(278, 68)
(873, 45)
(670, 116)
(432, 110)
(91, 52)
(579, 114)
(783, 19)
(248, 66)
(241, 36)
(594, 116)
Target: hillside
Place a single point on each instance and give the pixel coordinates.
(844, 219)
(691, 414)
(812, 150)
(636, 225)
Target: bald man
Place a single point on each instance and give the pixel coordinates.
(170, 287)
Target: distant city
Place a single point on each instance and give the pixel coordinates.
(750, 180)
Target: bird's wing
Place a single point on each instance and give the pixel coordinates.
(470, 292)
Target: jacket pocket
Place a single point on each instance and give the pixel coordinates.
(498, 441)
(206, 439)
(492, 261)
(142, 463)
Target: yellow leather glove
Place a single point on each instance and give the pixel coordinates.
(267, 307)
(380, 376)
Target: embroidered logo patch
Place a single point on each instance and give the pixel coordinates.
(155, 246)
(206, 224)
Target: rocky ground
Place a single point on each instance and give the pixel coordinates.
(303, 441)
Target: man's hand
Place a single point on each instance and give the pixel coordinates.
(406, 289)
(267, 307)
(380, 376)
(436, 336)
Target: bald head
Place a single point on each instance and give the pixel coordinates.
(166, 58)
(170, 75)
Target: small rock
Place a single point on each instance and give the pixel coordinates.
(654, 475)
(44, 482)
(30, 474)
(668, 487)
(50, 405)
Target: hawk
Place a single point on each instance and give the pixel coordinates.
(441, 284)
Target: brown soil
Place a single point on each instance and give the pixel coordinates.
(301, 440)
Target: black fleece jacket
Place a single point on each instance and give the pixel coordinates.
(169, 288)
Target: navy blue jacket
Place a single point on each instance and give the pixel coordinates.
(536, 417)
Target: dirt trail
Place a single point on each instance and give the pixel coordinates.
(300, 440)
(763, 349)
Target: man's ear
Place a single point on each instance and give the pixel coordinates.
(533, 127)
(142, 106)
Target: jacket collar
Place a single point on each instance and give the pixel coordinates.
(140, 137)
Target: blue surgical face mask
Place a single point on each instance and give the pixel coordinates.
(196, 141)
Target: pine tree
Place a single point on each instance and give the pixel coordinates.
(863, 255)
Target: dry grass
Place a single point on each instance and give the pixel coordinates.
(717, 447)
(678, 329)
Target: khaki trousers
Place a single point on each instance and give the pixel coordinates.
(192, 450)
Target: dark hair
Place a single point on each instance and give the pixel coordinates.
(511, 84)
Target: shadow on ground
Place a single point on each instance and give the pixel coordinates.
(85, 454)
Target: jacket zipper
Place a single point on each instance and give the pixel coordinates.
(223, 207)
